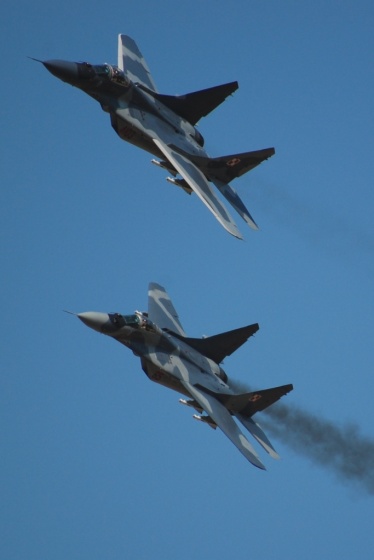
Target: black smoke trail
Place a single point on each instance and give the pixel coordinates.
(342, 449)
(321, 227)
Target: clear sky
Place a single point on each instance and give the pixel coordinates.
(96, 461)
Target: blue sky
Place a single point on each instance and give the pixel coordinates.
(97, 461)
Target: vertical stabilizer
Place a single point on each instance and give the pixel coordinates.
(132, 62)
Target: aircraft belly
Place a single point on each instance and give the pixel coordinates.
(141, 128)
(188, 371)
(162, 377)
(133, 135)
(182, 370)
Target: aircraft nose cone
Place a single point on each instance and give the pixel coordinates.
(63, 69)
(94, 319)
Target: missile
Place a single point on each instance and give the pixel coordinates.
(192, 404)
(206, 420)
(165, 165)
(180, 183)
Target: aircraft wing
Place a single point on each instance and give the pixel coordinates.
(132, 62)
(258, 433)
(236, 202)
(199, 184)
(218, 346)
(225, 421)
(161, 310)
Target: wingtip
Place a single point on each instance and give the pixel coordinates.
(250, 221)
(259, 465)
(238, 236)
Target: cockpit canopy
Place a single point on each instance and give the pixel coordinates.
(119, 320)
(103, 71)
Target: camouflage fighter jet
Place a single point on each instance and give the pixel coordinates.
(191, 366)
(164, 125)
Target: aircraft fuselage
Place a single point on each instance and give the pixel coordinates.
(136, 115)
(165, 358)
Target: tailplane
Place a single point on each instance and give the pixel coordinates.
(227, 168)
(247, 404)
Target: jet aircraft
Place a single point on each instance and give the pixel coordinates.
(164, 125)
(191, 367)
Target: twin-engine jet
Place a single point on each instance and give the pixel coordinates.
(191, 367)
(164, 125)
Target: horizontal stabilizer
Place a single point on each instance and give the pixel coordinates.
(247, 404)
(193, 106)
(219, 346)
(227, 168)
(259, 435)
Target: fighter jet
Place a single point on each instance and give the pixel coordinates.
(164, 125)
(191, 367)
